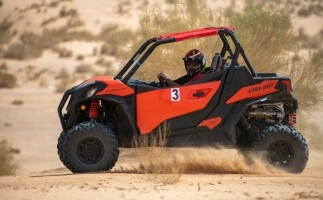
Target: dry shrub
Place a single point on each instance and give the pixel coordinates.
(80, 57)
(124, 6)
(7, 152)
(108, 68)
(33, 74)
(171, 1)
(48, 21)
(107, 65)
(266, 36)
(312, 132)
(94, 51)
(307, 81)
(306, 75)
(160, 167)
(64, 13)
(62, 85)
(75, 21)
(153, 158)
(64, 81)
(101, 61)
(3, 66)
(114, 41)
(62, 74)
(5, 26)
(7, 80)
(121, 9)
(312, 9)
(16, 51)
(32, 45)
(29, 71)
(53, 4)
(38, 74)
(303, 12)
(1, 51)
(17, 102)
(7, 124)
(62, 52)
(43, 83)
(83, 68)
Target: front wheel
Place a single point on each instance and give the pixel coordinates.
(88, 147)
(282, 146)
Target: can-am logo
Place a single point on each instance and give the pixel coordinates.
(256, 89)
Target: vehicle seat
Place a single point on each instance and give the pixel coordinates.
(217, 63)
(241, 77)
(215, 71)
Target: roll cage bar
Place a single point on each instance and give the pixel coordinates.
(223, 32)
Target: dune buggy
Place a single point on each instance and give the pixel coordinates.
(232, 106)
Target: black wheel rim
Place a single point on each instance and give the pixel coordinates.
(280, 153)
(90, 150)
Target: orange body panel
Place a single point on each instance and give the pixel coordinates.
(157, 106)
(211, 123)
(114, 87)
(254, 91)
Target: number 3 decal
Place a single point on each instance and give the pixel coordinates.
(175, 95)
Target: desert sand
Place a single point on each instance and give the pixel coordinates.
(61, 184)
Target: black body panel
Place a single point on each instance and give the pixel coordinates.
(194, 118)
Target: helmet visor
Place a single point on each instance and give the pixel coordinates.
(191, 63)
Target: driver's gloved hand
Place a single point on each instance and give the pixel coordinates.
(162, 75)
(154, 84)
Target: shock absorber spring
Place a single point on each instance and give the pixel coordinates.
(94, 109)
(292, 119)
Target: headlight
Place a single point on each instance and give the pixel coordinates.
(91, 92)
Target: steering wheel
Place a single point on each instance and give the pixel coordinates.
(162, 82)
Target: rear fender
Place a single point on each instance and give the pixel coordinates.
(232, 119)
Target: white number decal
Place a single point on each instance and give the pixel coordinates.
(175, 94)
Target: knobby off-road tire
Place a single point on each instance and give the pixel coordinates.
(88, 147)
(282, 146)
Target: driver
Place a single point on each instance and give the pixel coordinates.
(194, 62)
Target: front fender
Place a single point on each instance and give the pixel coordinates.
(76, 95)
(121, 113)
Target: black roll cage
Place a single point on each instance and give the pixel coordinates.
(224, 33)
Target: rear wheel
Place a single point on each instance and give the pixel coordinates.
(282, 146)
(88, 147)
